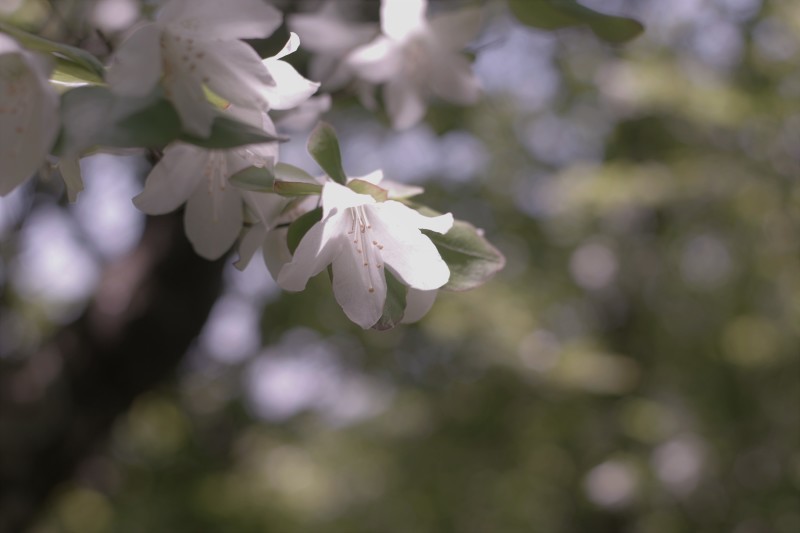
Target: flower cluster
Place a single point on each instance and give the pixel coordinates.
(188, 82)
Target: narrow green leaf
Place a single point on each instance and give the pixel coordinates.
(300, 227)
(472, 259)
(287, 172)
(296, 188)
(256, 179)
(324, 148)
(365, 187)
(395, 305)
(59, 51)
(554, 14)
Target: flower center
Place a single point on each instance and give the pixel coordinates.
(366, 246)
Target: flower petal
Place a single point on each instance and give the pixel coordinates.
(290, 89)
(249, 244)
(418, 303)
(397, 213)
(402, 18)
(327, 32)
(456, 29)
(359, 287)
(267, 207)
(212, 19)
(172, 180)
(404, 102)
(186, 94)
(276, 251)
(136, 65)
(378, 61)
(409, 254)
(453, 80)
(29, 119)
(233, 70)
(213, 220)
(336, 198)
(318, 248)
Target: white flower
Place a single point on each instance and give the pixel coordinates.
(199, 177)
(193, 43)
(360, 237)
(29, 118)
(416, 58)
(331, 36)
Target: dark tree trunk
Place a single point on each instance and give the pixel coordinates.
(57, 407)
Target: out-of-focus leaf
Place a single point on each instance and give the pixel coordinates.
(395, 305)
(287, 172)
(300, 227)
(228, 133)
(94, 116)
(258, 179)
(324, 148)
(554, 14)
(296, 188)
(472, 259)
(81, 59)
(365, 187)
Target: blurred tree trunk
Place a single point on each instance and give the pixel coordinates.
(58, 405)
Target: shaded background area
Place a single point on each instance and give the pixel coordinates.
(634, 368)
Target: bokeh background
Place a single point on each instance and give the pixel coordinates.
(635, 368)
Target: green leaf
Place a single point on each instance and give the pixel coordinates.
(229, 133)
(287, 172)
(395, 305)
(94, 116)
(296, 188)
(365, 187)
(258, 179)
(324, 148)
(554, 14)
(471, 258)
(81, 59)
(300, 227)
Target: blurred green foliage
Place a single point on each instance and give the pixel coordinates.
(633, 369)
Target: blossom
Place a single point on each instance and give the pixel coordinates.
(29, 120)
(200, 177)
(415, 58)
(331, 36)
(196, 43)
(360, 237)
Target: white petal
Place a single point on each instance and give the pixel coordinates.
(70, 169)
(409, 254)
(358, 287)
(216, 20)
(337, 198)
(267, 207)
(173, 179)
(29, 119)
(456, 29)
(213, 220)
(400, 214)
(249, 245)
(404, 103)
(136, 65)
(186, 94)
(306, 115)
(234, 71)
(402, 18)
(452, 79)
(319, 246)
(378, 61)
(327, 33)
(276, 251)
(418, 303)
(290, 89)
